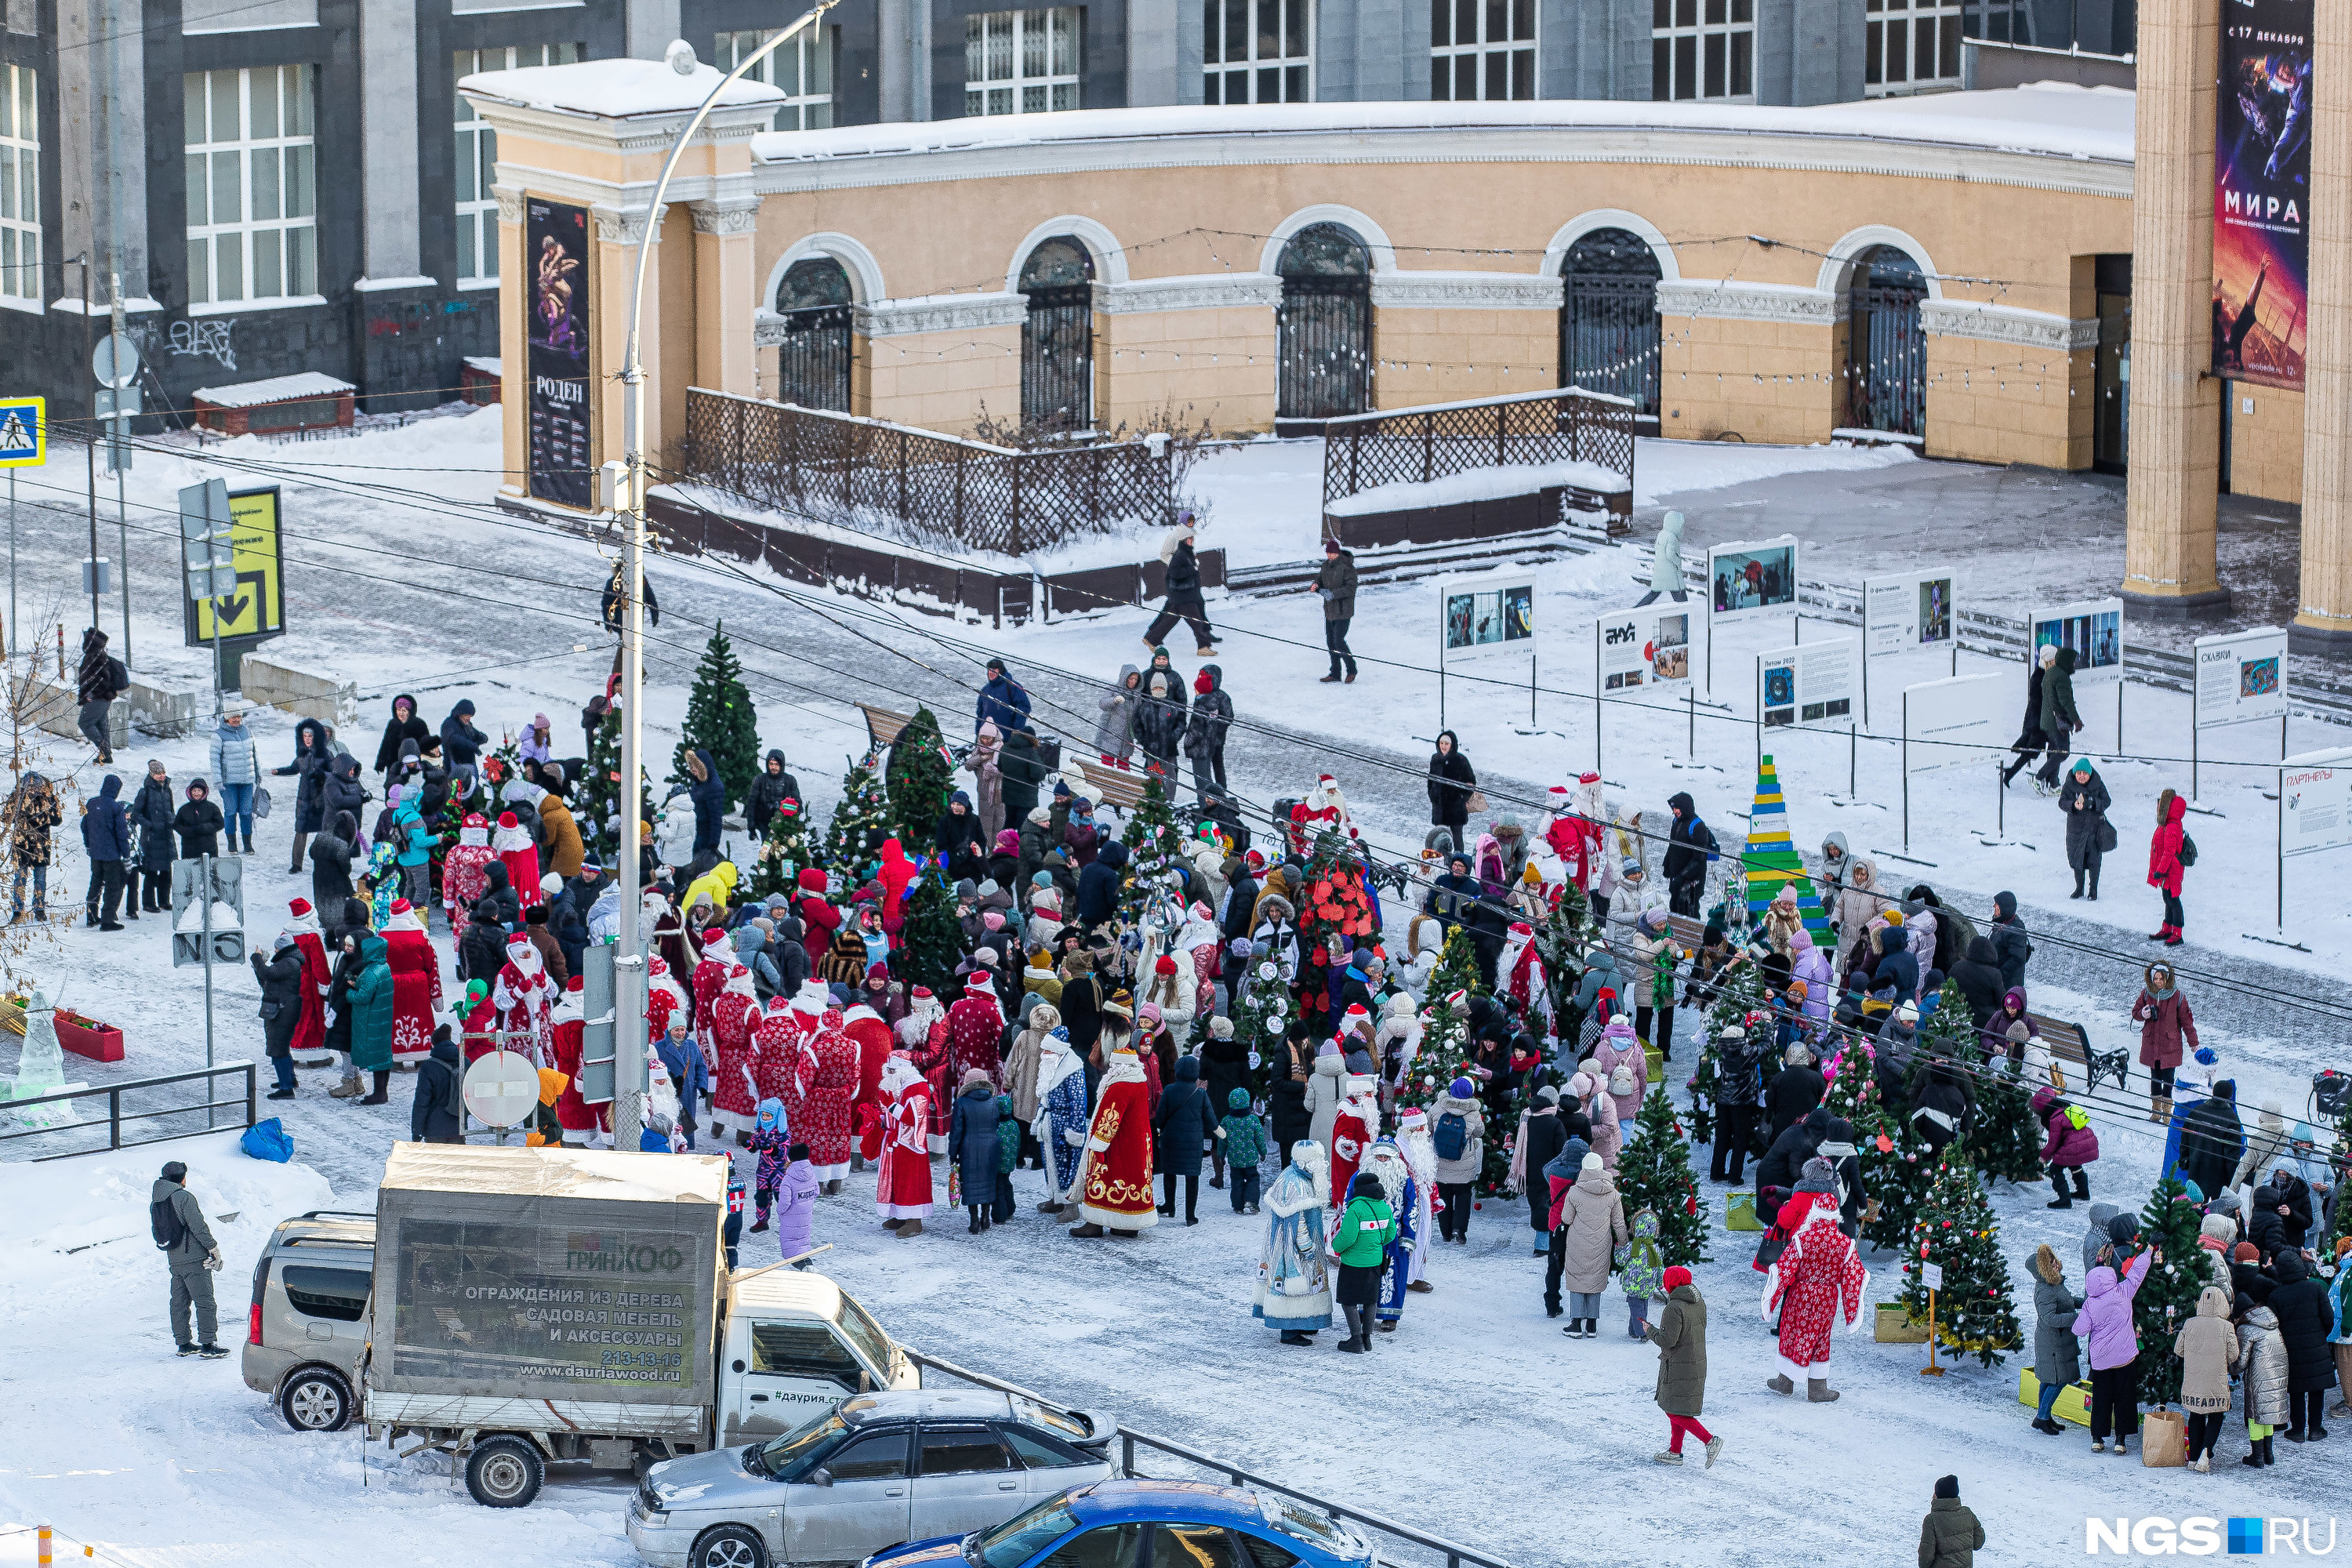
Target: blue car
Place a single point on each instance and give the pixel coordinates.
(1147, 1524)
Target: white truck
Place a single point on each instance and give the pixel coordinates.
(552, 1305)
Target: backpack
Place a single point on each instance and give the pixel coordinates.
(164, 1220)
(1452, 1135)
(117, 676)
(2187, 851)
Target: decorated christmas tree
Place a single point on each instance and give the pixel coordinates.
(931, 942)
(2167, 1299)
(861, 820)
(918, 779)
(597, 803)
(789, 847)
(1154, 846)
(1262, 1017)
(1738, 994)
(1770, 862)
(1955, 1229)
(1561, 942)
(720, 719)
(1853, 1098)
(1332, 903)
(2004, 1139)
(1446, 1055)
(1654, 1173)
(1899, 1188)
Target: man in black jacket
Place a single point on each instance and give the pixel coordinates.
(1546, 1135)
(437, 1114)
(2282, 1214)
(1183, 594)
(281, 1008)
(1796, 1089)
(1739, 1081)
(1690, 844)
(774, 786)
(1335, 583)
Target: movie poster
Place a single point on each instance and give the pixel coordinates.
(555, 239)
(2262, 185)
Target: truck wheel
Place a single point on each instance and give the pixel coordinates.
(316, 1399)
(729, 1546)
(504, 1472)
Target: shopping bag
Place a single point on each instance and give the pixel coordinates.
(1739, 1211)
(268, 1140)
(2163, 1440)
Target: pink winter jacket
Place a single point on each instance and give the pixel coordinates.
(1618, 1043)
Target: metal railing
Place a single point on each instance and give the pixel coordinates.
(117, 1115)
(923, 486)
(1454, 1553)
(1414, 446)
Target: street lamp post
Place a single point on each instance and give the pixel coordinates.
(628, 487)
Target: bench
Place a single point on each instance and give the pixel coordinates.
(2068, 1043)
(1120, 787)
(883, 724)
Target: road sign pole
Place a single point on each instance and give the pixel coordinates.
(205, 891)
(118, 451)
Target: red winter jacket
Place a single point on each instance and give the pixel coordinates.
(2164, 868)
(2163, 1026)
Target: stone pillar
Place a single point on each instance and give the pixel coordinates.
(725, 291)
(2323, 616)
(2168, 554)
(514, 344)
(614, 269)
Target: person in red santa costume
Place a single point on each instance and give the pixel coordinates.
(1323, 810)
(1522, 971)
(734, 1100)
(1574, 831)
(819, 920)
(525, 997)
(776, 1054)
(463, 869)
(823, 1086)
(663, 997)
(896, 873)
(1816, 1278)
(513, 843)
(922, 1036)
(704, 984)
(310, 1028)
(1114, 1185)
(870, 1033)
(975, 1029)
(1353, 1130)
(415, 983)
(582, 1123)
(902, 1191)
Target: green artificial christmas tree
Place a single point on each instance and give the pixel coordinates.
(931, 942)
(1955, 1229)
(1736, 995)
(1154, 847)
(1900, 1187)
(861, 820)
(2005, 1139)
(1561, 942)
(789, 847)
(720, 719)
(1262, 1019)
(1331, 902)
(596, 802)
(1654, 1173)
(919, 778)
(1853, 1098)
(2167, 1299)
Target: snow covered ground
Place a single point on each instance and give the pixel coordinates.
(1473, 1408)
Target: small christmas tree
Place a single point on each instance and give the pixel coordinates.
(2004, 1138)
(1853, 1098)
(1332, 903)
(1738, 994)
(719, 719)
(931, 942)
(1561, 942)
(1955, 1229)
(918, 779)
(597, 803)
(1770, 862)
(2167, 1299)
(1262, 1017)
(789, 847)
(1654, 1173)
(1154, 846)
(861, 820)
(1901, 1186)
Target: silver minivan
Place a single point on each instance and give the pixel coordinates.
(307, 1329)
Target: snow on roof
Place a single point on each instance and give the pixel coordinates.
(277, 389)
(488, 364)
(2051, 118)
(614, 88)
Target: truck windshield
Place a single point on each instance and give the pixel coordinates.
(1019, 1538)
(866, 1336)
(782, 1454)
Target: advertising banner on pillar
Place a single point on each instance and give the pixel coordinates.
(555, 240)
(2262, 190)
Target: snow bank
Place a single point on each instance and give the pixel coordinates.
(1663, 468)
(63, 1209)
(1479, 484)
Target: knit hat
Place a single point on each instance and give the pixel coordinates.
(1820, 1177)
(1593, 1161)
(1238, 1101)
(1462, 1089)
(1950, 1485)
(1164, 965)
(1631, 867)
(1547, 1095)
(1676, 1277)
(1221, 1028)
(2246, 1252)
(1908, 1013)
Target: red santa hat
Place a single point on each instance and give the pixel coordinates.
(576, 985)
(1356, 1018)
(657, 968)
(1588, 778)
(922, 993)
(1558, 789)
(516, 941)
(507, 819)
(980, 983)
(300, 909)
(1457, 999)
(476, 819)
(1327, 781)
(402, 906)
(739, 973)
(1522, 930)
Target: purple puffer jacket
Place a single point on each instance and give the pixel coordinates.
(2069, 1146)
(796, 1209)
(2104, 1323)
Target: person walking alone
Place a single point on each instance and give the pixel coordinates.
(1335, 583)
(193, 1257)
(100, 679)
(1680, 1334)
(1452, 781)
(1183, 601)
(1949, 1536)
(2170, 851)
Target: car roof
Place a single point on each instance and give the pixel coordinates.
(322, 1230)
(926, 1403)
(1117, 1500)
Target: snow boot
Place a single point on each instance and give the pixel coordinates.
(2159, 933)
(912, 1227)
(1420, 1287)
(1819, 1392)
(376, 1095)
(348, 1088)
(186, 1348)
(1575, 1329)
(2078, 884)
(2098, 1445)
(1293, 1337)
(1051, 1205)
(2204, 1464)
(1124, 1235)
(279, 1094)
(761, 1224)
(1088, 1231)
(2081, 1185)
(1665, 1457)
(2064, 1200)
(1713, 1446)
(892, 1226)
(2176, 938)
(1779, 1383)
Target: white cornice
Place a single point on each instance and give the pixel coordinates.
(1466, 291)
(2008, 324)
(1196, 291)
(1726, 299)
(940, 313)
(640, 133)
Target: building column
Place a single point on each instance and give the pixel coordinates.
(2169, 510)
(724, 356)
(514, 344)
(613, 271)
(2323, 616)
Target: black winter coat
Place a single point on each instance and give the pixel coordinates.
(342, 988)
(344, 792)
(198, 824)
(482, 951)
(774, 787)
(1795, 1093)
(2305, 1319)
(105, 825)
(1183, 576)
(461, 743)
(1980, 981)
(1286, 1108)
(1184, 1121)
(1941, 1093)
(331, 871)
(1225, 1067)
(1784, 1163)
(1023, 768)
(2267, 1228)
(2212, 1140)
(1688, 844)
(708, 796)
(1160, 716)
(281, 997)
(2012, 947)
(433, 1116)
(308, 769)
(1450, 780)
(396, 730)
(151, 812)
(1213, 716)
(1547, 1136)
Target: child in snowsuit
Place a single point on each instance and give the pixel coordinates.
(769, 1140)
(1644, 1275)
(1949, 1537)
(1240, 1139)
(1008, 1155)
(795, 1206)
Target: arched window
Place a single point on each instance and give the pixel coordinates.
(1886, 349)
(1324, 329)
(812, 359)
(1609, 317)
(1057, 336)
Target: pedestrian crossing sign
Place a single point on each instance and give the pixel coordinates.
(23, 431)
